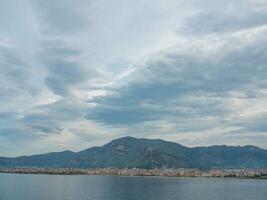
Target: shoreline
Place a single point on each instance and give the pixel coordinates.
(139, 176)
(136, 172)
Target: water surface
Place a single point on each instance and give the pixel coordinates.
(55, 187)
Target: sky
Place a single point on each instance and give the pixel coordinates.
(76, 74)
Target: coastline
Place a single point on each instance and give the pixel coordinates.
(137, 172)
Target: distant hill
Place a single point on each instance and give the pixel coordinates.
(147, 153)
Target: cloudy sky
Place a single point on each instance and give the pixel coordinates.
(76, 74)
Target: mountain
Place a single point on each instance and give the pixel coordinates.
(147, 153)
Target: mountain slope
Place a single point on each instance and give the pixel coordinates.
(222, 156)
(132, 152)
(55, 159)
(147, 153)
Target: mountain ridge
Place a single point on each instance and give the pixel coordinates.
(146, 153)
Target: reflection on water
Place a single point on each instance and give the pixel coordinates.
(46, 187)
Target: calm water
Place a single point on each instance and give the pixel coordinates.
(46, 187)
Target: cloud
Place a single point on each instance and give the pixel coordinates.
(252, 124)
(42, 123)
(90, 71)
(62, 17)
(175, 86)
(15, 78)
(64, 69)
(220, 21)
(11, 67)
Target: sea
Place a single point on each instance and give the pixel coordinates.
(83, 187)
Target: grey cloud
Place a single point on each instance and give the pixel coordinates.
(64, 74)
(218, 21)
(42, 123)
(56, 48)
(14, 130)
(15, 77)
(63, 110)
(62, 63)
(252, 124)
(61, 16)
(224, 16)
(16, 134)
(43, 120)
(6, 115)
(181, 75)
(13, 67)
(121, 115)
(50, 118)
(180, 87)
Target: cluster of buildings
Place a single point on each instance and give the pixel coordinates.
(237, 173)
(144, 172)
